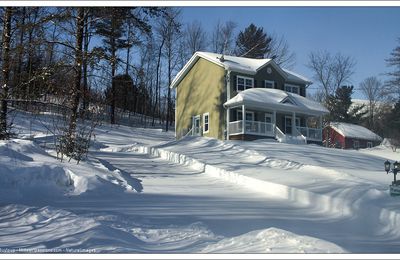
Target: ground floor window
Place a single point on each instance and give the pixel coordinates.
(206, 124)
(249, 115)
(369, 144)
(356, 144)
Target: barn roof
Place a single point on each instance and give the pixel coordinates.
(354, 131)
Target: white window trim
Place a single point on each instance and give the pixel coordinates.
(290, 86)
(194, 123)
(239, 112)
(244, 79)
(297, 119)
(269, 81)
(204, 122)
(356, 144)
(269, 115)
(369, 144)
(252, 115)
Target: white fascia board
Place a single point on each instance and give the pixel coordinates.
(277, 106)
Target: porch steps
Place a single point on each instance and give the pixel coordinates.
(283, 138)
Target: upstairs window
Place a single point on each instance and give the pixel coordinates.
(243, 83)
(292, 89)
(269, 84)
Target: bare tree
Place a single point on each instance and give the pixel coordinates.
(6, 72)
(371, 87)
(222, 39)
(330, 71)
(195, 37)
(169, 30)
(280, 52)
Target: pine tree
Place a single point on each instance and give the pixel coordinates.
(339, 106)
(253, 42)
(111, 28)
(394, 82)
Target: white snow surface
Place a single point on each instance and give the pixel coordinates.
(354, 131)
(140, 191)
(274, 98)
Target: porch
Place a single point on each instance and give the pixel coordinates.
(246, 123)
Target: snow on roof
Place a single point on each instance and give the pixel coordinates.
(296, 77)
(275, 98)
(238, 64)
(354, 131)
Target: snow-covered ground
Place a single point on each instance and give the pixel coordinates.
(139, 191)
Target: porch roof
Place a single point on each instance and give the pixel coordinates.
(266, 98)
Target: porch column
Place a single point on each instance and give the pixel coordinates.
(228, 114)
(274, 120)
(293, 123)
(243, 119)
(320, 122)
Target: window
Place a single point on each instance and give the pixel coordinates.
(249, 115)
(369, 144)
(356, 144)
(288, 124)
(206, 124)
(269, 84)
(292, 89)
(268, 118)
(243, 83)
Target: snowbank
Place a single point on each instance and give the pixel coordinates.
(275, 241)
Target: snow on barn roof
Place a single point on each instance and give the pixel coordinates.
(277, 99)
(354, 131)
(237, 64)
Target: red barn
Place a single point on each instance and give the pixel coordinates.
(350, 136)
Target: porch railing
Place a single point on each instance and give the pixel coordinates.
(313, 134)
(252, 127)
(270, 130)
(236, 127)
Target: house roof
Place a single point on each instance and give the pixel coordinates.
(276, 99)
(354, 131)
(237, 64)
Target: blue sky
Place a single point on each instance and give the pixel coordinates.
(368, 34)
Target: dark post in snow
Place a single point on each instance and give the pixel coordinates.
(395, 187)
(5, 71)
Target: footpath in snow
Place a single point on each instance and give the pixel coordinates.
(343, 184)
(139, 191)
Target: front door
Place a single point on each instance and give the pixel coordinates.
(268, 120)
(288, 124)
(196, 125)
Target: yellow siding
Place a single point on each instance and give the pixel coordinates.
(202, 90)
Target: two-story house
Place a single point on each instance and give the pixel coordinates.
(238, 98)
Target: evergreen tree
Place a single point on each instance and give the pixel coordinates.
(340, 109)
(111, 28)
(394, 83)
(392, 130)
(253, 42)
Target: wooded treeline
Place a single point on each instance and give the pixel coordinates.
(115, 63)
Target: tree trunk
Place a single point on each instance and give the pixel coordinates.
(78, 74)
(6, 71)
(18, 68)
(169, 89)
(157, 80)
(85, 91)
(113, 69)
